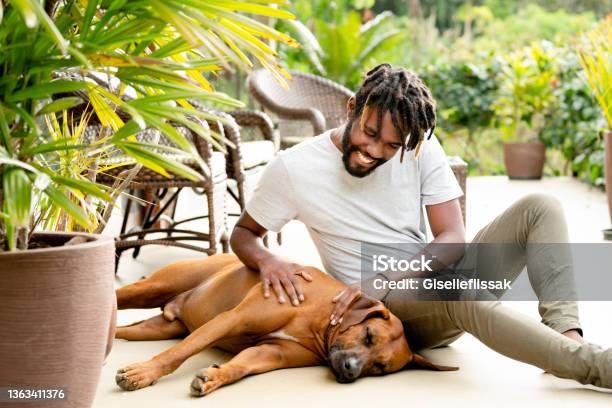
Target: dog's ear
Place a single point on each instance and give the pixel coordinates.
(419, 361)
(363, 308)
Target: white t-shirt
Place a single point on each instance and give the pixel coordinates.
(308, 182)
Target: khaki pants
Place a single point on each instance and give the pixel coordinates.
(535, 218)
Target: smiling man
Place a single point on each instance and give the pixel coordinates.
(366, 182)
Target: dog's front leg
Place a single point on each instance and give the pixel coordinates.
(140, 375)
(253, 360)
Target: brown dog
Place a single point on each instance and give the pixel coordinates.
(217, 301)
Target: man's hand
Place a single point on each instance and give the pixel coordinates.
(343, 301)
(281, 275)
(350, 295)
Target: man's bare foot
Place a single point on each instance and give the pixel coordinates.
(574, 335)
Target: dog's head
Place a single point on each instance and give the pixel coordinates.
(370, 341)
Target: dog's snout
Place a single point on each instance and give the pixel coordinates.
(351, 368)
(346, 366)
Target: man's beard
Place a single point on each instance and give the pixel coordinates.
(348, 148)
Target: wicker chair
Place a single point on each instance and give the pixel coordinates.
(163, 193)
(310, 106)
(254, 145)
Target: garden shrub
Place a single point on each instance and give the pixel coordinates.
(573, 126)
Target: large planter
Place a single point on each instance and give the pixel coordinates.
(524, 161)
(608, 175)
(57, 317)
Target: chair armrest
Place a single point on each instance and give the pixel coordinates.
(251, 118)
(316, 119)
(312, 115)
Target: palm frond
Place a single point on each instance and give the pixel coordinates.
(138, 65)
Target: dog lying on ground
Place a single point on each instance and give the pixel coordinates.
(217, 301)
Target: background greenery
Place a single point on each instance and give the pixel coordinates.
(478, 57)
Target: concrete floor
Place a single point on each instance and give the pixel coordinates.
(485, 378)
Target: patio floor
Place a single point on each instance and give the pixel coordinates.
(485, 378)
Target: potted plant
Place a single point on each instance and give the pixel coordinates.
(596, 59)
(466, 109)
(56, 288)
(526, 85)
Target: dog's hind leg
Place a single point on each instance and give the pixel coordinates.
(155, 328)
(170, 281)
(143, 374)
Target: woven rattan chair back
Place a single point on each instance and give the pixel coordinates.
(309, 106)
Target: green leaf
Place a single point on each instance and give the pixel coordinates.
(178, 115)
(311, 45)
(27, 118)
(155, 72)
(26, 8)
(169, 96)
(10, 235)
(160, 163)
(49, 25)
(104, 111)
(262, 10)
(60, 105)
(4, 131)
(216, 97)
(169, 130)
(54, 146)
(80, 58)
(17, 196)
(175, 46)
(130, 128)
(171, 15)
(84, 186)
(18, 163)
(87, 18)
(61, 200)
(47, 89)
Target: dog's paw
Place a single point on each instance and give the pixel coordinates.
(205, 381)
(136, 376)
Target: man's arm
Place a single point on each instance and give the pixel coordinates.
(276, 272)
(446, 223)
(448, 246)
(246, 242)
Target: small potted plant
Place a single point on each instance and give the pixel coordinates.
(57, 286)
(526, 82)
(596, 59)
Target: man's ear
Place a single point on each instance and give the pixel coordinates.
(419, 361)
(364, 308)
(350, 107)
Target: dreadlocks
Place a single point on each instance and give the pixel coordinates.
(401, 93)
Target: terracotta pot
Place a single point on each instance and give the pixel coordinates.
(56, 317)
(608, 175)
(524, 161)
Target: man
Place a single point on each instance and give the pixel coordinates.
(361, 183)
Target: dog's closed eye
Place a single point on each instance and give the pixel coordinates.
(380, 367)
(369, 338)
